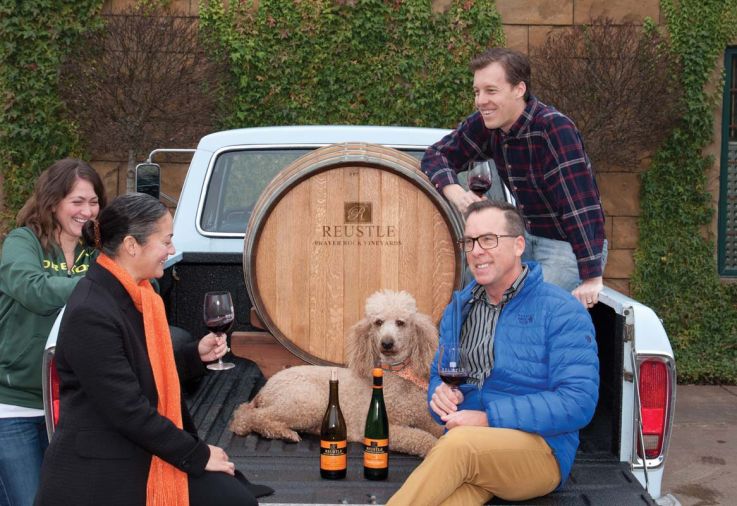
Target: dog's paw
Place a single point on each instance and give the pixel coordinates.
(294, 437)
(238, 427)
(285, 434)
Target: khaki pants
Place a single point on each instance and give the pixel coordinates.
(470, 465)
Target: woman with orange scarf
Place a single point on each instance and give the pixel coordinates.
(125, 437)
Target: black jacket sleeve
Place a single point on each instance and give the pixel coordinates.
(97, 348)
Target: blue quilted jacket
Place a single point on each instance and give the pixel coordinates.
(546, 369)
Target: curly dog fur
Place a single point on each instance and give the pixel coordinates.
(392, 332)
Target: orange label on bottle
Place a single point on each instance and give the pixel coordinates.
(375, 453)
(333, 455)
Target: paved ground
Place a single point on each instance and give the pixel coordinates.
(701, 469)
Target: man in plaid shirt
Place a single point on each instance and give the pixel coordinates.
(540, 156)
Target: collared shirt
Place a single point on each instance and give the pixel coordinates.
(477, 334)
(543, 162)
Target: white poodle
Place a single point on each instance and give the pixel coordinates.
(392, 333)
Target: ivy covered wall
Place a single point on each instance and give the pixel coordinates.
(331, 62)
(675, 263)
(35, 129)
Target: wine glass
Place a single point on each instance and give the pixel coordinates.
(452, 366)
(479, 179)
(219, 318)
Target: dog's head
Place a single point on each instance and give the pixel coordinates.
(392, 332)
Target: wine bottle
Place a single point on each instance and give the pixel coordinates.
(333, 440)
(376, 434)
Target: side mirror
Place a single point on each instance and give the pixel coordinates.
(148, 179)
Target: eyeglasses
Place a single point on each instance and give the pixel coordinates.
(486, 241)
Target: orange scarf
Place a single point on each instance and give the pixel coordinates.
(167, 485)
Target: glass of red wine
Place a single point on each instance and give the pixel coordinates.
(452, 366)
(479, 179)
(219, 318)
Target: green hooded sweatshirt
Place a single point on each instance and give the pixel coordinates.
(33, 288)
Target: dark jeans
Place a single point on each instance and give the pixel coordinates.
(23, 441)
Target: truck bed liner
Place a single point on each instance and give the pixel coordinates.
(291, 469)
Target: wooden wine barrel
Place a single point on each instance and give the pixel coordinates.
(333, 227)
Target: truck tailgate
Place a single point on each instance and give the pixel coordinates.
(291, 469)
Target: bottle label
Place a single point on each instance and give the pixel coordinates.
(375, 453)
(333, 455)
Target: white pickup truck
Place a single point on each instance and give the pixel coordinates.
(622, 453)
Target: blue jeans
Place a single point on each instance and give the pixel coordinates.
(22, 445)
(557, 260)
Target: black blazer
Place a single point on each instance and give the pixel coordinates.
(109, 427)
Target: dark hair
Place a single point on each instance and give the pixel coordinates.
(52, 186)
(133, 214)
(515, 220)
(515, 64)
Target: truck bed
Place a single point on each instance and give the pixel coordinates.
(291, 469)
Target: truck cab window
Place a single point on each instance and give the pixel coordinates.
(237, 179)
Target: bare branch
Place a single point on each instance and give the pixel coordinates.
(618, 84)
(141, 82)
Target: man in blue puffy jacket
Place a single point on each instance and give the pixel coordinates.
(533, 376)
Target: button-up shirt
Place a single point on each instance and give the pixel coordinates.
(542, 161)
(477, 334)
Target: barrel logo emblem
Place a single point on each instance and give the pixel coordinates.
(357, 212)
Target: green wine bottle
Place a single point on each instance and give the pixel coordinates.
(333, 440)
(376, 434)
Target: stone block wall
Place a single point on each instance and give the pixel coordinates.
(527, 24)
(176, 7)
(113, 174)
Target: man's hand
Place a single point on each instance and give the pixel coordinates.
(459, 197)
(465, 417)
(445, 400)
(588, 291)
(212, 347)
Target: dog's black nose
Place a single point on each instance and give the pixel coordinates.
(387, 345)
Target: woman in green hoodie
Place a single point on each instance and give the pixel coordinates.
(42, 260)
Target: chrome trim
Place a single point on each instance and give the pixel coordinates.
(638, 430)
(48, 357)
(150, 158)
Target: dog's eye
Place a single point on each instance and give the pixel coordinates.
(379, 323)
(400, 323)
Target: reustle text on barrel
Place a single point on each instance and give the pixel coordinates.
(359, 235)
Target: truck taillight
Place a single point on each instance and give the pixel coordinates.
(50, 381)
(54, 387)
(655, 392)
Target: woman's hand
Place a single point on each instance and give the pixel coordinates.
(212, 347)
(219, 462)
